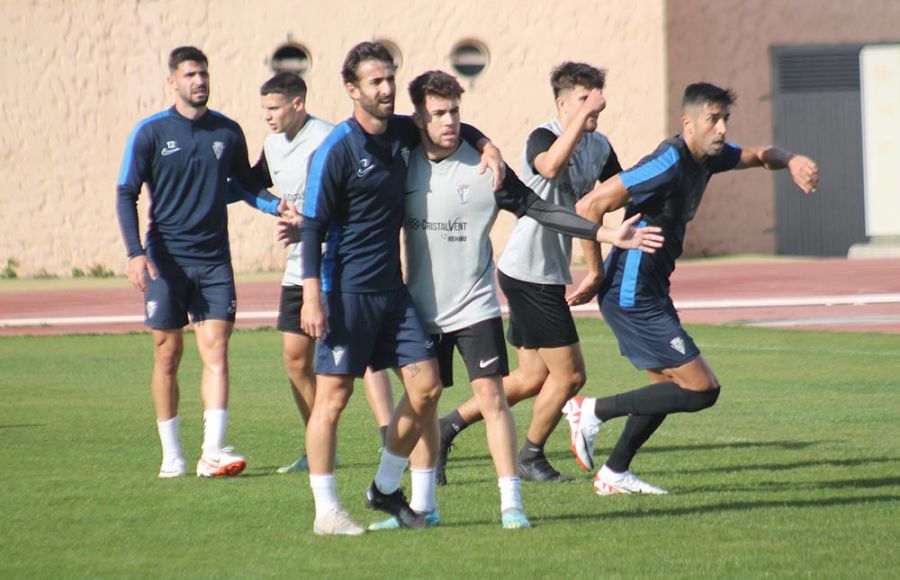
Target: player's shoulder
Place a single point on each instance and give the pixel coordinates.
(548, 130)
(338, 147)
(153, 121)
(670, 152)
(217, 118)
(319, 126)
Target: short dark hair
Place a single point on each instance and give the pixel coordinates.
(436, 83)
(703, 93)
(184, 54)
(362, 52)
(289, 84)
(568, 75)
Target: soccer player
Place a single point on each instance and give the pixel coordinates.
(184, 155)
(450, 209)
(666, 187)
(366, 317)
(283, 163)
(563, 160)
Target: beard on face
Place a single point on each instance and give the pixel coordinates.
(377, 109)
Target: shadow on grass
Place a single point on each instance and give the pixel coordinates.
(736, 506)
(785, 466)
(770, 486)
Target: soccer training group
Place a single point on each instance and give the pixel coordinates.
(348, 309)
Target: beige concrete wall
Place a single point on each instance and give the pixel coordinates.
(726, 42)
(79, 74)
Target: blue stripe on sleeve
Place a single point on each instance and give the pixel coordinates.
(129, 148)
(317, 168)
(651, 169)
(329, 261)
(630, 275)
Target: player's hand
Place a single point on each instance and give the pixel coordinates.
(138, 268)
(804, 172)
(647, 239)
(594, 104)
(289, 213)
(283, 207)
(493, 160)
(287, 229)
(586, 290)
(312, 319)
(286, 232)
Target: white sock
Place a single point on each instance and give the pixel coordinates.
(214, 421)
(169, 438)
(423, 490)
(390, 472)
(324, 488)
(510, 498)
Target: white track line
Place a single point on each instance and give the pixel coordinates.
(263, 315)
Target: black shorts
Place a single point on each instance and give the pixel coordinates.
(289, 305)
(481, 346)
(539, 316)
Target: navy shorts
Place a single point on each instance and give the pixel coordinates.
(649, 335)
(289, 305)
(201, 292)
(539, 316)
(481, 346)
(381, 330)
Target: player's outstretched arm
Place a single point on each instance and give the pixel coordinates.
(804, 170)
(629, 236)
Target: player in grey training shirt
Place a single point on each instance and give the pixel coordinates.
(284, 163)
(450, 209)
(563, 160)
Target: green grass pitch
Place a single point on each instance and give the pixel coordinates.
(795, 473)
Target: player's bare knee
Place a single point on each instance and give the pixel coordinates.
(576, 381)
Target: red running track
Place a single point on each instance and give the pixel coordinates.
(819, 294)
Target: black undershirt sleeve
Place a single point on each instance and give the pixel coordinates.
(540, 140)
(611, 167)
(516, 197)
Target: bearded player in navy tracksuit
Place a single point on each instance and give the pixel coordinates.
(355, 303)
(666, 187)
(184, 156)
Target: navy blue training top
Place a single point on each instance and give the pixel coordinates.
(185, 164)
(666, 187)
(354, 200)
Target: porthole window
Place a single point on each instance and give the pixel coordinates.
(469, 58)
(392, 48)
(291, 57)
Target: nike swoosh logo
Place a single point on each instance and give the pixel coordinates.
(486, 363)
(363, 172)
(167, 152)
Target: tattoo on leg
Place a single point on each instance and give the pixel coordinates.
(413, 369)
